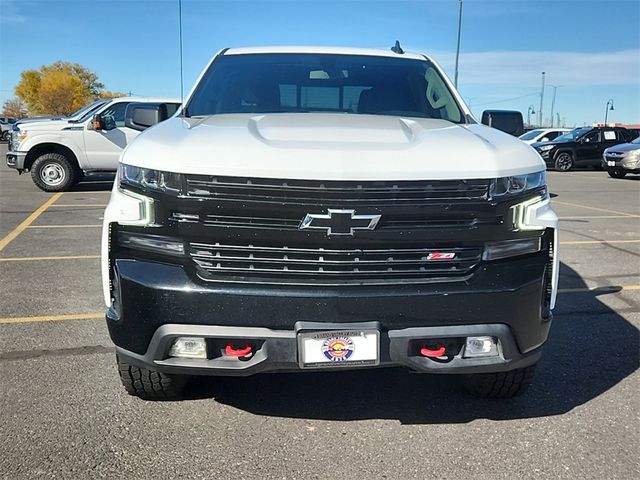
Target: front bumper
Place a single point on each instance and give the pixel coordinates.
(621, 164)
(16, 160)
(278, 351)
(158, 301)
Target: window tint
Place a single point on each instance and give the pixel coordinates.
(592, 137)
(530, 135)
(271, 83)
(115, 113)
(552, 135)
(172, 108)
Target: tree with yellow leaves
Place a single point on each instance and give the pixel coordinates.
(58, 89)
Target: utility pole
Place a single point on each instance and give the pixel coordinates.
(553, 102)
(558, 114)
(455, 78)
(541, 100)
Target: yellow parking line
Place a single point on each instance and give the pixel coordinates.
(35, 259)
(596, 242)
(92, 205)
(52, 318)
(626, 214)
(28, 221)
(66, 226)
(608, 288)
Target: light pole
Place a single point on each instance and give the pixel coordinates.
(541, 100)
(553, 102)
(529, 112)
(455, 78)
(607, 109)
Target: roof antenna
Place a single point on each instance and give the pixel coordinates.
(397, 48)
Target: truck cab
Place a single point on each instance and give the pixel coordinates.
(60, 151)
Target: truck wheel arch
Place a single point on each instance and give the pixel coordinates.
(49, 147)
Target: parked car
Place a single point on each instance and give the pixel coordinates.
(540, 135)
(327, 208)
(581, 147)
(6, 123)
(58, 152)
(622, 159)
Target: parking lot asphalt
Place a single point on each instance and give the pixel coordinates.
(64, 414)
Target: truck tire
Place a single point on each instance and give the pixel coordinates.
(500, 384)
(53, 172)
(616, 173)
(150, 384)
(563, 162)
(5, 136)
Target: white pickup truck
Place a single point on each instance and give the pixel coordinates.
(319, 208)
(58, 152)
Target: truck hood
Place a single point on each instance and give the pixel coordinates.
(329, 146)
(46, 125)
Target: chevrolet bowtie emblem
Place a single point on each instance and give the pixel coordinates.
(340, 222)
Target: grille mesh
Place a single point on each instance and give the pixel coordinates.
(333, 266)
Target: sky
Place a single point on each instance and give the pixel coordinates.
(589, 49)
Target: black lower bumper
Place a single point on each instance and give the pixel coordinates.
(277, 350)
(159, 301)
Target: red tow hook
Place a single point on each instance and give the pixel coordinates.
(238, 352)
(427, 352)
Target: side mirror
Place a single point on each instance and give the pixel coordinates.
(508, 121)
(544, 139)
(140, 116)
(96, 123)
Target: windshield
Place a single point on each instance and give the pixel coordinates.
(355, 84)
(573, 134)
(530, 135)
(85, 111)
(636, 141)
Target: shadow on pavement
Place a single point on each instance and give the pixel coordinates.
(591, 348)
(95, 182)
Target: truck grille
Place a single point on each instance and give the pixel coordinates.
(280, 205)
(347, 193)
(258, 264)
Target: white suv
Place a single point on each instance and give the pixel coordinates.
(58, 152)
(540, 135)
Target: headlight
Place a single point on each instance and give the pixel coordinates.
(21, 135)
(518, 184)
(148, 179)
(633, 155)
(545, 148)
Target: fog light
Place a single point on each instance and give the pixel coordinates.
(188, 347)
(480, 347)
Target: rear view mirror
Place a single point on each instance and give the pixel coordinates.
(140, 116)
(508, 121)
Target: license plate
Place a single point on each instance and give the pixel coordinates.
(339, 348)
(611, 163)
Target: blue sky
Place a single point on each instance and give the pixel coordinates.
(590, 48)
